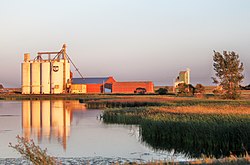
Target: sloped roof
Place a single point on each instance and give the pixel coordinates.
(94, 80)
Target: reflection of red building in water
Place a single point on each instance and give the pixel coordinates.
(46, 119)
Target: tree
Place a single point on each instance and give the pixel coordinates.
(228, 70)
(199, 88)
(162, 91)
(184, 89)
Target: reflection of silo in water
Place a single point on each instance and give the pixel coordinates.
(67, 117)
(57, 117)
(36, 117)
(26, 118)
(67, 114)
(60, 121)
(45, 118)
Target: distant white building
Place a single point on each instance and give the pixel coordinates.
(184, 77)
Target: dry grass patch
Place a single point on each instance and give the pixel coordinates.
(236, 110)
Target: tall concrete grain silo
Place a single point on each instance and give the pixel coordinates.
(26, 74)
(49, 75)
(45, 77)
(35, 77)
(57, 77)
(67, 74)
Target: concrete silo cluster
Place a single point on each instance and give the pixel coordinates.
(48, 73)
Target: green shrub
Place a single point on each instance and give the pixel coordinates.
(162, 91)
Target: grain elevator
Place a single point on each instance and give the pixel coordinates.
(47, 73)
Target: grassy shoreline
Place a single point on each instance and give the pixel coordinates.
(192, 126)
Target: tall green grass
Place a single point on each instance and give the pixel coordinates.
(138, 102)
(121, 104)
(193, 134)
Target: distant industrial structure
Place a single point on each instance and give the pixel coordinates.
(183, 78)
(49, 73)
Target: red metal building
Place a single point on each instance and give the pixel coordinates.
(133, 87)
(96, 85)
(109, 85)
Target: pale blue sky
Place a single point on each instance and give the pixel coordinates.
(127, 39)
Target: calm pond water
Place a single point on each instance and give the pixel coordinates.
(68, 129)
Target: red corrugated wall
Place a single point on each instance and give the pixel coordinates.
(94, 88)
(120, 87)
(130, 87)
(98, 88)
